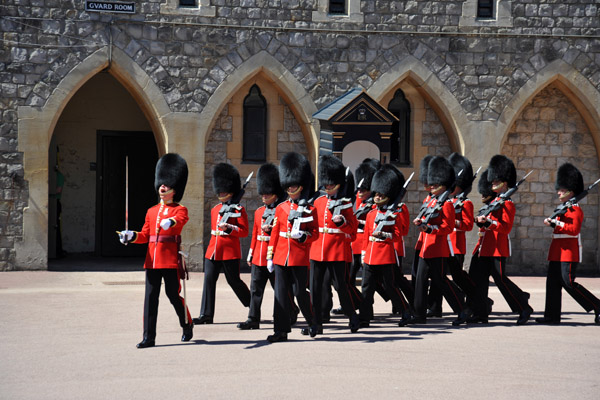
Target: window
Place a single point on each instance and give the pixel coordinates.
(400, 139)
(187, 3)
(255, 126)
(337, 6)
(485, 8)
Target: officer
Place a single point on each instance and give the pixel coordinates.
(565, 250)
(162, 231)
(229, 223)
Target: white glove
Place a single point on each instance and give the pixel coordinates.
(125, 236)
(270, 266)
(249, 258)
(362, 256)
(166, 223)
(227, 227)
(296, 234)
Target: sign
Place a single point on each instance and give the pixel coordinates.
(105, 6)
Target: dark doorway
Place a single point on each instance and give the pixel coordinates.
(112, 149)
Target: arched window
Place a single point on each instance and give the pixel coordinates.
(337, 6)
(485, 8)
(400, 139)
(255, 126)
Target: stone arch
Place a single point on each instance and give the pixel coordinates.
(443, 102)
(36, 126)
(575, 86)
(299, 100)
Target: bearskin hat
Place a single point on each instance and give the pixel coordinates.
(172, 171)
(485, 186)
(423, 167)
(365, 171)
(331, 170)
(440, 172)
(267, 181)
(347, 190)
(226, 179)
(294, 169)
(568, 177)
(387, 181)
(465, 179)
(502, 169)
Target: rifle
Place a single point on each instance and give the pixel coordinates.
(296, 217)
(430, 213)
(497, 203)
(460, 199)
(567, 205)
(382, 219)
(232, 209)
(336, 206)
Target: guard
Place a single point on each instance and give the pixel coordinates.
(162, 231)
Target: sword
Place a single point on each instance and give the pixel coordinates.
(184, 256)
(126, 194)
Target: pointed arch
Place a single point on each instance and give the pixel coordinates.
(578, 89)
(438, 96)
(298, 99)
(36, 126)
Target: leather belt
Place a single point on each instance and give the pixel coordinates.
(166, 238)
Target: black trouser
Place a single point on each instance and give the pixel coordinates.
(154, 278)
(562, 275)
(260, 277)
(290, 279)
(434, 269)
(373, 275)
(337, 271)
(212, 269)
(404, 284)
(462, 280)
(495, 266)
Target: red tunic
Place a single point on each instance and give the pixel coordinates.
(566, 238)
(225, 246)
(437, 242)
(162, 254)
(332, 244)
(464, 223)
(495, 241)
(260, 239)
(383, 251)
(284, 250)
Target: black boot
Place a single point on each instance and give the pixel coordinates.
(145, 343)
(277, 337)
(202, 320)
(249, 324)
(188, 333)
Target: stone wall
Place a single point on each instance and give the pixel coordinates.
(549, 132)
(478, 73)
